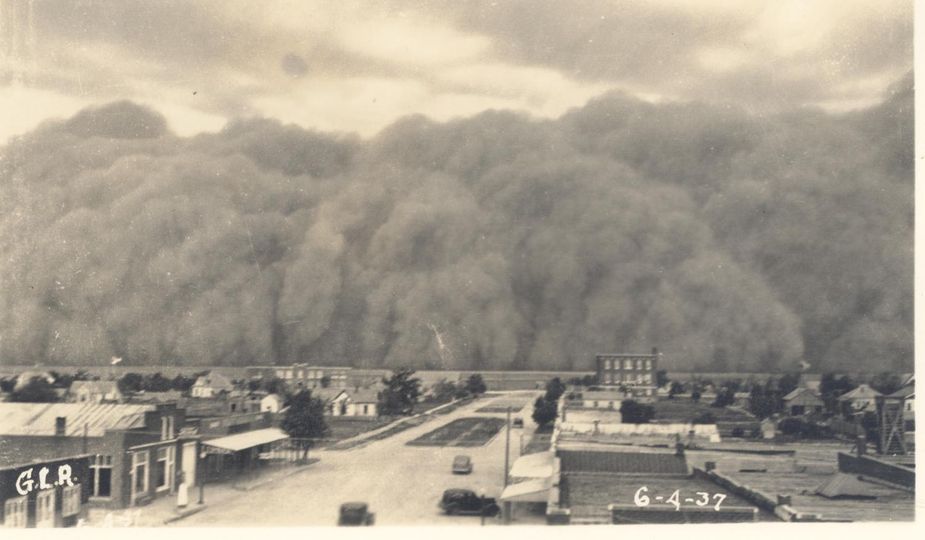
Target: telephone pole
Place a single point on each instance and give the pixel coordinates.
(507, 445)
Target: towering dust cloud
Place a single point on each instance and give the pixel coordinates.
(498, 241)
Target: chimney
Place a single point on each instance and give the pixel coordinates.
(60, 426)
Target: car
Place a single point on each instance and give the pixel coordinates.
(462, 465)
(518, 422)
(355, 514)
(467, 502)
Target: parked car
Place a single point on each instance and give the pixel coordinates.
(467, 502)
(355, 514)
(518, 422)
(462, 465)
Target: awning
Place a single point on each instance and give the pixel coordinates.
(529, 491)
(248, 439)
(537, 465)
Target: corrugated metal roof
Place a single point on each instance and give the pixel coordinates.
(39, 418)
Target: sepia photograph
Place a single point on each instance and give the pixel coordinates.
(473, 263)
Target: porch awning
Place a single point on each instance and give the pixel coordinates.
(248, 439)
(529, 491)
(537, 465)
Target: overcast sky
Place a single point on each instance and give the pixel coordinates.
(358, 66)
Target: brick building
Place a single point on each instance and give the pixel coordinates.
(632, 371)
(51, 493)
(298, 376)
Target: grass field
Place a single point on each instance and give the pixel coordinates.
(501, 405)
(462, 432)
(684, 410)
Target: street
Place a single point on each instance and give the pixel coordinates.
(402, 484)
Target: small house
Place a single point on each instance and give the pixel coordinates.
(271, 403)
(211, 385)
(862, 398)
(363, 402)
(802, 401)
(94, 392)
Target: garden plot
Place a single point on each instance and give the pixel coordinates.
(462, 432)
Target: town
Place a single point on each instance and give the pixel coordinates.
(623, 442)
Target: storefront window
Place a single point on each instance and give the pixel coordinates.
(70, 502)
(140, 471)
(14, 512)
(45, 508)
(163, 468)
(101, 476)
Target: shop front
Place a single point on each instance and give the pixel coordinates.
(47, 494)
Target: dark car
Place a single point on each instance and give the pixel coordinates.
(462, 465)
(518, 422)
(355, 514)
(467, 502)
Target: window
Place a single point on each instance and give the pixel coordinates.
(627, 364)
(45, 508)
(101, 476)
(608, 364)
(140, 471)
(70, 500)
(648, 364)
(610, 378)
(595, 404)
(167, 432)
(163, 468)
(14, 512)
(639, 364)
(280, 373)
(647, 378)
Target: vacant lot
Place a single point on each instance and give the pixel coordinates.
(501, 405)
(685, 410)
(462, 432)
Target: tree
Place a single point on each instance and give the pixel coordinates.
(544, 411)
(788, 383)
(554, 389)
(304, 420)
(443, 390)
(886, 382)
(401, 392)
(37, 390)
(695, 393)
(156, 383)
(675, 389)
(7, 384)
(182, 383)
(636, 413)
(661, 378)
(130, 383)
(831, 387)
(475, 385)
(325, 381)
(724, 397)
(61, 380)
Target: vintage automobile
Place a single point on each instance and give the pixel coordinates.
(355, 514)
(462, 465)
(467, 502)
(518, 422)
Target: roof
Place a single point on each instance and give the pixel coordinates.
(102, 387)
(364, 395)
(39, 418)
(248, 439)
(529, 491)
(905, 392)
(603, 395)
(169, 395)
(539, 465)
(861, 392)
(214, 380)
(327, 394)
(617, 462)
(797, 392)
(849, 486)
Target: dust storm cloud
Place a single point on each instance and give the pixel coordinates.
(523, 243)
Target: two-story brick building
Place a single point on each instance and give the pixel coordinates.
(298, 376)
(635, 372)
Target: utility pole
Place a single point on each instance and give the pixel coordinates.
(507, 445)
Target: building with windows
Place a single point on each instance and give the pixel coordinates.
(298, 376)
(135, 451)
(635, 372)
(52, 493)
(211, 385)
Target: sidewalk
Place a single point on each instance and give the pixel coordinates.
(164, 510)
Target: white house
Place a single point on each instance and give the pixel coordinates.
(862, 398)
(271, 403)
(211, 385)
(94, 392)
(363, 402)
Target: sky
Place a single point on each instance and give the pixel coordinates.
(349, 66)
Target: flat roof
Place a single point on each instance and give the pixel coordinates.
(248, 439)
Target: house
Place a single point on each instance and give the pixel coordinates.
(603, 399)
(363, 402)
(94, 392)
(802, 401)
(211, 385)
(742, 400)
(271, 403)
(862, 398)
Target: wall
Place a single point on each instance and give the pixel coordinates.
(79, 473)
